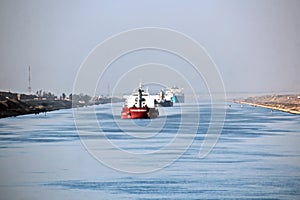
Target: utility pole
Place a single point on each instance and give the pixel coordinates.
(29, 80)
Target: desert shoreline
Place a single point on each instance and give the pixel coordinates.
(285, 103)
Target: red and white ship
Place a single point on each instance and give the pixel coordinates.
(139, 105)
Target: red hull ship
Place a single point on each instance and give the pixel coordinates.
(139, 113)
(136, 107)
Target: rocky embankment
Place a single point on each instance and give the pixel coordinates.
(285, 103)
(14, 107)
(13, 104)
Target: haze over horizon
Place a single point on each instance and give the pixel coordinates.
(255, 44)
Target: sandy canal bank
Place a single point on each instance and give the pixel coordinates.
(284, 103)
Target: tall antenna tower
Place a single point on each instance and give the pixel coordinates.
(29, 80)
(108, 90)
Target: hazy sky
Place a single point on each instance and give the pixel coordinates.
(255, 44)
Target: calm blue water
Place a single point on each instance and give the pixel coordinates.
(256, 157)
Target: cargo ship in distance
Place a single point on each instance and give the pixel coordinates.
(178, 95)
(164, 99)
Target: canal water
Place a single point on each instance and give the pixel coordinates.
(257, 156)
